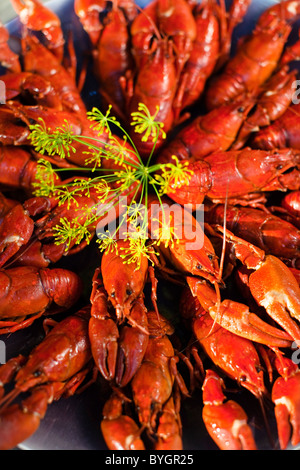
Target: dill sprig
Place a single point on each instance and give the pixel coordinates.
(128, 174)
(146, 124)
(58, 142)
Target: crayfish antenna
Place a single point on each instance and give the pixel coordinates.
(154, 283)
(221, 269)
(223, 18)
(218, 315)
(266, 422)
(222, 259)
(153, 24)
(20, 252)
(293, 110)
(8, 398)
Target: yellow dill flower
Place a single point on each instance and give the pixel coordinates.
(173, 176)
(126, 178)
(101, 122)
(95, 157)
(107, 242)
(145, 124)
(135, 251)
(165, 232)
(44, 179)
(57, 142)
(71, 232)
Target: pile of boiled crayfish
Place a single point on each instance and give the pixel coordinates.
(230, 114)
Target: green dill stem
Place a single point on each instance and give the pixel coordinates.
(160, 201)
(132, 200)
(156, 167)
(145, 192)
(136, 152)
(91, 183)
(96, 217)
(152, 151)
(142, 191)
(118, 125)
(124, 216)
(145, 217)
(137, 190)
(94, 147)
(72, 169)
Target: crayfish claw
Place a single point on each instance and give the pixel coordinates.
(225, 421)
(286, 397)
(132, 347)
(275, 288)
(169, 431)
(20, 421)
(237, 318)
(28, 423)
(119, 430)
(37, 17)
(16, 230)
(104, 336)
(271, 283)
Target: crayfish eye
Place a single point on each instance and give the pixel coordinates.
(37, 373)
(129, 292)
(113, 294)
(243, 378)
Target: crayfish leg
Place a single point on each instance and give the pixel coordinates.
(12, 326)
